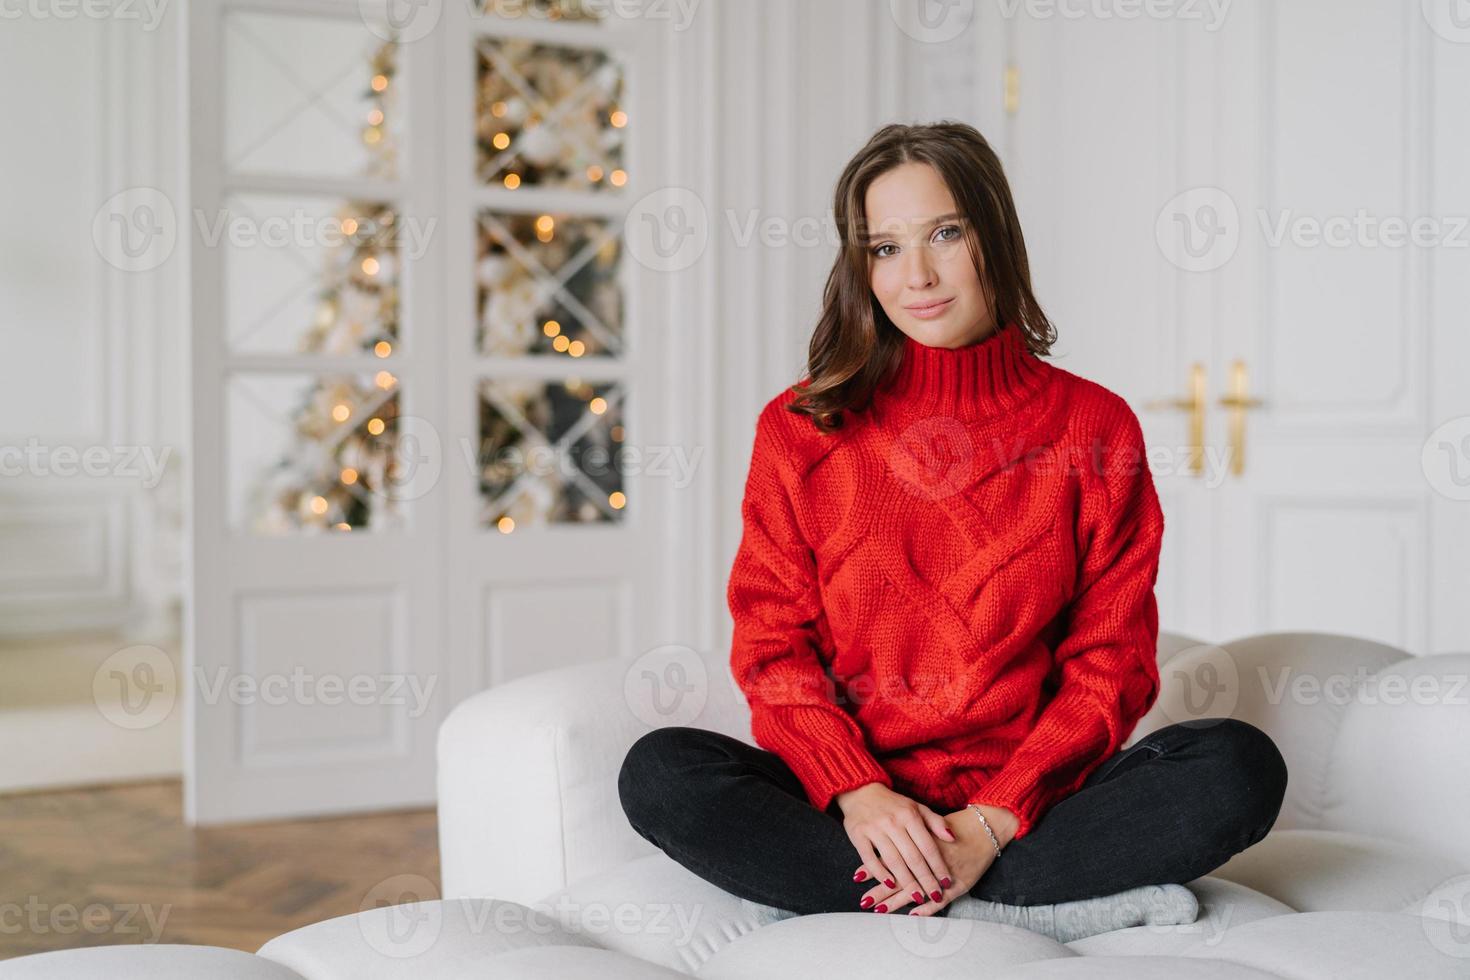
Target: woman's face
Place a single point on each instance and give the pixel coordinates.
(917, 256)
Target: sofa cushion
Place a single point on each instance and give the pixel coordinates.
(145, 962)
(862, 945)
(1331, 870)
(652, 908)
(441, 939)
(1340, 946)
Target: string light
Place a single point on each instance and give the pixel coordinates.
(551, 328)
(318, 505)
(576, 348)
(512, 181)
(619, 178)
(382, 348)
(341, 412)
(380, 83)
(500, 141)
(561, 343)
(370, 266)
(617, 500)
(619, 118)
(349, 475)
(505, 525)
(598, 405)
(375, 426)
(385, 380)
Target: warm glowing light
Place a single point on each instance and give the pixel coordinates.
(500, 140)
(561, 343)
(576, 348)
(617, 433)
(619, 118)
(349, 226)
(594, 173)
(505, 525)
(341, 412)
(619, 178)
(349, 475)
(342, 526)
(617, 500)
(375, 426)
(598, 405)
(370, 266)
(512, 181)
(376, 117)
(372, 135)
(551, 328)
(380, 82)
(385, 380)
(498, 109)
(545, 223)
(318, 505)
(382, 348)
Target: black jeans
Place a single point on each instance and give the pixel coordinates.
(1171, 808)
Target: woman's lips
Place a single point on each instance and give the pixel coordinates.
(928, 312)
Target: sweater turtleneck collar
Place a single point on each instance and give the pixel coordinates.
(977, 382)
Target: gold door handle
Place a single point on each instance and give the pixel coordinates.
(1194, 404)
(1239, 401)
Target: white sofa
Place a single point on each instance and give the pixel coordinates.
(1365, 875)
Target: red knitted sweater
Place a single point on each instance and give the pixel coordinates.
(954, 594)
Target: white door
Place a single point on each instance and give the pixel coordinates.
(1302, 396)
(1341, 162)
(414, 329)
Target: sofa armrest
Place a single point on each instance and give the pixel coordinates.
(527, 780)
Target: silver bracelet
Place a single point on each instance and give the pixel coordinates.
(986, 824)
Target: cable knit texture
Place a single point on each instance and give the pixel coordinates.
(954, 594)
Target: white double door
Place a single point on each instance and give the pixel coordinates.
(392, 501)
(1269, 208)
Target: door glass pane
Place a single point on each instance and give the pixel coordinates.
(312, 275)
(550, 453)
(549, 116)
(316, 453)
(309, 96)
(548, 284)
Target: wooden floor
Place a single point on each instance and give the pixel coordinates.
(116, 864)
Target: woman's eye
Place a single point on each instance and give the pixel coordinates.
(879, 250)
(953, 228)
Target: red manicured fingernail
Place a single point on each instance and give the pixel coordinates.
(881, 908)
(944, 882)
(890, 883)
(868, 900)
(918, 896)
(860, 875)
(935, 895)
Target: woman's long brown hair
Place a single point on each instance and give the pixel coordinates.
(855, 345)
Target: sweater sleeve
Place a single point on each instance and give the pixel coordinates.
(1108, 659)
(774, 600)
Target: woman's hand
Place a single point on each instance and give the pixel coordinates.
(965, 854)
(895, 837)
